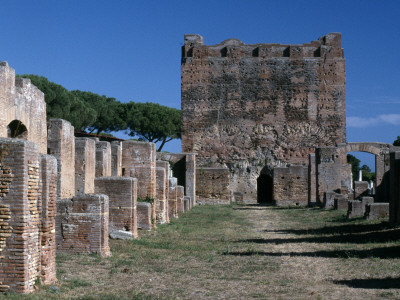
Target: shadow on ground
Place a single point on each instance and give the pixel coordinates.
(336, 229)
(371, 283)
(383, 252)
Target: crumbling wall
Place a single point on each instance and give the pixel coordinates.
(22, 101)
(249, 106)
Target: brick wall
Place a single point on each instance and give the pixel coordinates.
(250, 106)
(21, 100)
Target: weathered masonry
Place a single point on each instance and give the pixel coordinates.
(251, 108)
(47, 201)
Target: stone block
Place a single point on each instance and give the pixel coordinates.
(180, 198)
(122, 192)
(187, 201)
(172, 198)
(360, 189)
(366, 200)
(340, 201)
(355, 209)
(329, 199)
(144, 213)
(85, 165)
(377, 211)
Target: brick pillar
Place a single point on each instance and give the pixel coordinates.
(161, 195)
(103, 159)
(122, 192)
(85, 165)
(165, 165)
(139, 161)
(61, 144)
(172, 198)
(20, 205)
(116, 158)
(48, 178)
(191, 177)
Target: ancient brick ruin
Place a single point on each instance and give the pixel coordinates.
(251, 108)
(268, 123)
(66, 194)
(261, 122)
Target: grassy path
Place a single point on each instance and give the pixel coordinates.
(241, 252)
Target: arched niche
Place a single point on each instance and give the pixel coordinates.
(16, 129)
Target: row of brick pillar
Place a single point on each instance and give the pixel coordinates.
(76, 196)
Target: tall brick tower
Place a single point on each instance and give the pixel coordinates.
(251, 108)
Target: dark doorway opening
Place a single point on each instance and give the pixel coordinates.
(265, 189)
(16, 129)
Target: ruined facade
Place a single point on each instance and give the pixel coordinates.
(47, 201)
(251, 108)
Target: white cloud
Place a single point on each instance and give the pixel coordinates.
(360, 122)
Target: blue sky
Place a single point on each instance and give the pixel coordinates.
(131, 50)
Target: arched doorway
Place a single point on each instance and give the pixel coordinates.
(16, 129)
(265, 189)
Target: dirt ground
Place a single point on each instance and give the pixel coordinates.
(241, 252)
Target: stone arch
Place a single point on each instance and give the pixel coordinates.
(17, 129)
(381, 152)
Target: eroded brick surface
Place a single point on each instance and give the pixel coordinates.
(251, 106)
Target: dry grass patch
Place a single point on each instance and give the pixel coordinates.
(241, 252)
